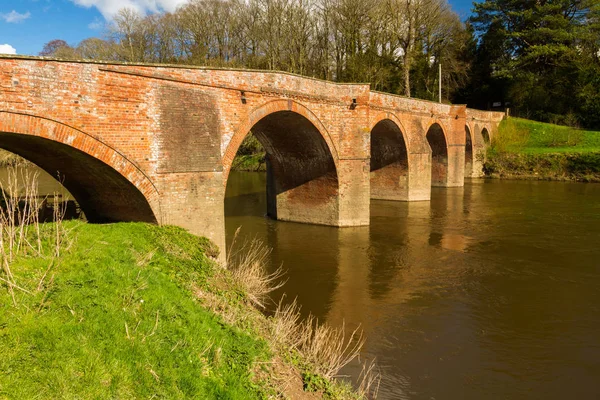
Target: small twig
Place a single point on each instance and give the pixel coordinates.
(39, 287)
(15, 286)
(176, 345)
(153, 329)
(46, 293)
(154, 374)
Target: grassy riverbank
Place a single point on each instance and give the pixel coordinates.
(534, 150)
(140, 311)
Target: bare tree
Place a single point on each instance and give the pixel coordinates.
(383, 42)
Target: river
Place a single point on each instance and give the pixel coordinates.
(491, 291)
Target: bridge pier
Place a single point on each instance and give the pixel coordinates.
(340, 199)
(456, 165)
(419, 177)
(478, 160)
(194, 201)
(354, 192)
(312, 200)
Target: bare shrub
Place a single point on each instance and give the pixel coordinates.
(20, 232)
(369, 380)
(329, 349)
(248, 269)
(324, 348)
(10, 159)
(285, 324)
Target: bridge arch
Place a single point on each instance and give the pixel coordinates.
(470, 151)
(389, 165)
(264, 110)
(438, 142)
(485, 135)
(107, 186)
(302, 173)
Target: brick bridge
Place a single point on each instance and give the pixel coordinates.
(156, 143)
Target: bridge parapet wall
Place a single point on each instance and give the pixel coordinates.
(477, 120)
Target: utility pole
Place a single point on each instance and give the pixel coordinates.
(440, 81)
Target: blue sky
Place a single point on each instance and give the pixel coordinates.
(26, 25)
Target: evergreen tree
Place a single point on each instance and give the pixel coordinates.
(537, 50)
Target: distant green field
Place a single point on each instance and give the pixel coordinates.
(516, 135)
(535, 150)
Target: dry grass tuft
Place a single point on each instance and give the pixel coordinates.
(369, 380)
(328, 348)
(285, 324)
(323, 349)
(248, 268)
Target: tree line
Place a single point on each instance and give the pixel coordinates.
(393, 44)
(540, 57)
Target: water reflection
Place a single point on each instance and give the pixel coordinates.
(487, 291)
(46, 184)
(34, 187)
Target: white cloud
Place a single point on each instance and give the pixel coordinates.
(15, 17)
(96, 24)
(7, 49)
(109, 8)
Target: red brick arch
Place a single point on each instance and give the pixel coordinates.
(477, 133)
(489, 135)
(474, 143)
(439, 161)
(392, 117)
(264, 110)
(389, 158)
(432, 122)
(26, 125)
(471, 130)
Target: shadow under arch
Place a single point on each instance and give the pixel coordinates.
(436, 138)
(469, 152)
(389, 161)
(107, 186)
(302, 181)
(485, 136)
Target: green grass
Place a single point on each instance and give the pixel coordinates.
(530, 149)
(516, 135)
(116, 318)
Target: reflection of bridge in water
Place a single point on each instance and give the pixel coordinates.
(156, 143)
(370, 276)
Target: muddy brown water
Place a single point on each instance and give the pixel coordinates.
(491, 291)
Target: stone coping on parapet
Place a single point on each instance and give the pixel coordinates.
(179, 66)
(210, 68)
(477, 111)
(401, 96)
